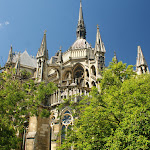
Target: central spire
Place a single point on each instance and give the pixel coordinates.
(81, 30)
(80, 12)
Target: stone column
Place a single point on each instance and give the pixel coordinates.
(59, 96)
(43, 131)
(53, 98)
(37, 72)
(62, 95)
(67, 91)
(31, 135)
(71, 93)
(56, 97)
(80, 92)
(41, 69)
(85, 92)
(75, 95)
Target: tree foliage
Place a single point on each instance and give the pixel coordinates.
(18, 100)
(116, 117)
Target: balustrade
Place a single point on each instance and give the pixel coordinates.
(63, 93)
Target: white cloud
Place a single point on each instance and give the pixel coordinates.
(6, 23)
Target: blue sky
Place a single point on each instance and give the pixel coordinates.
(123, 26)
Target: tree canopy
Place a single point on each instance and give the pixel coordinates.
(19, 99)
(116, 117)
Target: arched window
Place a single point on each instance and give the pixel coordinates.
(66, 122)
(39, 63)
(79, 72)
(93, 83)
(63, 133)
(78, 75)
(87, 84)
(87, 73)
(93, 70)
(141, 69)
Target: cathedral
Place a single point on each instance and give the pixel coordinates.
(74, 72)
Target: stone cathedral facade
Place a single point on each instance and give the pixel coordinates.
(74, 71)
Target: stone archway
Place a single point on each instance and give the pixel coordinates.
(79, 74)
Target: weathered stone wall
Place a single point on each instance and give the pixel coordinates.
(31, 135)
(43, 134)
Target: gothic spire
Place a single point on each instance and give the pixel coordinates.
(17, 65)
(115, 57)
(10, 56)
(99, 45)
(141, 64)
(80, 12)
(140, 57)
(81, 30)
(43, 52)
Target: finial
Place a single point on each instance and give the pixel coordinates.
(19, 55)
(114, 53)
(80, 3)
(45, 31)
(97, 26)
(60, 48)
(115, 57)
(11, 48)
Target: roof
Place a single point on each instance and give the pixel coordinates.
(80, 44)
(25, 59)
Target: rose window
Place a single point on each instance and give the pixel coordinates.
(66, 120)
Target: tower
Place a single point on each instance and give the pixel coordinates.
(141, 64)
(99, 52)
(42, 57)
(81, 30)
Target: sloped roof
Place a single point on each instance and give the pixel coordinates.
(25, 59)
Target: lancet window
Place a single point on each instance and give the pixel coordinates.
(66, 123)
(93, 70)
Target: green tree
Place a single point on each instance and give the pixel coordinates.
(117, 117)
(133, 131)
(18, 100)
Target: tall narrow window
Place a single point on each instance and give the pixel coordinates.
(66, 123)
